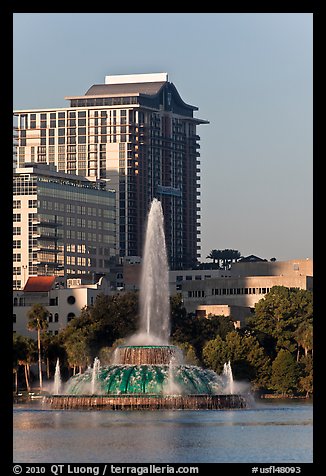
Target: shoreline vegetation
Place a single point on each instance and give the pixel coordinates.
(271, 355)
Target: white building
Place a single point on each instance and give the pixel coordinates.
(63, 303)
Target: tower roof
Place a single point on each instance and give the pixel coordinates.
(124, 88)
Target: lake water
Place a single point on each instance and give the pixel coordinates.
(269, 432)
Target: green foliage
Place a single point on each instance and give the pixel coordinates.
(99, 326)
(24, 350)
(37, 318)
(280, 313)
(285, 373)
(224, 258)
(306, 378)
(189, 354)
(248, 359)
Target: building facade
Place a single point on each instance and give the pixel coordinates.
(136, 132)
(63, 224)
(62, 303)
(246, 284)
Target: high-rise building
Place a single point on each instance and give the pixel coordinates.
(136, 132)
(63, 225)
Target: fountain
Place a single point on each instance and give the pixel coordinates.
(57, 379)
(148, 372)
(95, 372)
(227, 373)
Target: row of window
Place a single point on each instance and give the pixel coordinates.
(51, 318)
(228, 292)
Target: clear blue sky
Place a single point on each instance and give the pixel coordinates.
(250, 75)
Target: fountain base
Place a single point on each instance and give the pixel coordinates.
(146, 377)
(146, 402)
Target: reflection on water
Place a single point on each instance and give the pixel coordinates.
(267, 433)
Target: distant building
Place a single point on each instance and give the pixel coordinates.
(138, 133)
(131, 272)
(63, 225)
(247, 283)
(63, 303)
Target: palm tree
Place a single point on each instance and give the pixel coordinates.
(23, 354)
(228, 257)
(215, 255)
(304, 337)
(38, 320)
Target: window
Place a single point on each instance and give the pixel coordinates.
(56, 317)
(71, 300)
(14, 318)
(70, 316)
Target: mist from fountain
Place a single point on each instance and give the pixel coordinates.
(172, 387)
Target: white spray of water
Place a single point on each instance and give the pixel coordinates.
(154, 289)
(171, 388)
(227, 373)
(95, 372)
(57, 379)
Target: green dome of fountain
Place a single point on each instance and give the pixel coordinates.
(167, 376)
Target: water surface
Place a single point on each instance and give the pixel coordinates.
(271, 432)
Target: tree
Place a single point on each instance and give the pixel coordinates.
(38, 320)
(224, 258)
(228, 257)
(77, 349)
(304, 337)
(285, 373)
(99, 326)
(189, 354)
(24, 353)
(52, 350)
(247, 357)
(305, 383)
(215, 354)
(214, 255)
(182, 323)
(280, 313)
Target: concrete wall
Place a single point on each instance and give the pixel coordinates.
(244, 291)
